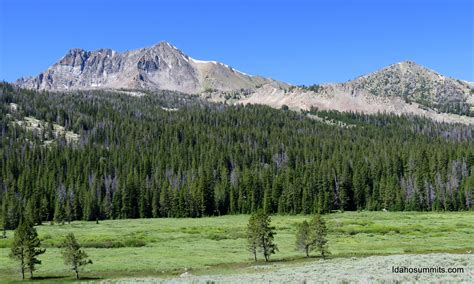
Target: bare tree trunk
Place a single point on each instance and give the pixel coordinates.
(22, 263)
(307, 251)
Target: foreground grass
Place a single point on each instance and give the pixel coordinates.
(163, 247)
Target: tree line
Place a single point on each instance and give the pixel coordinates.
(137, 157)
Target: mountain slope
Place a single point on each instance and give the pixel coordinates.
(160, 67)
(401, 88)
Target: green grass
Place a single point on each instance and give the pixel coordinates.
(143, 247)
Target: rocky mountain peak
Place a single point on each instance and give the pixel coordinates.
(161, 66)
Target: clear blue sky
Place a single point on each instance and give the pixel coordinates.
(300, 42)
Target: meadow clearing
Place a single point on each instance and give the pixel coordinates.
(169, 247)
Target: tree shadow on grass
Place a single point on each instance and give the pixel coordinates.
(63, 278)
(47, 277)
(89, 278)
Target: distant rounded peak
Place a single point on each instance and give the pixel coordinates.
(417, 68)
(402, 66)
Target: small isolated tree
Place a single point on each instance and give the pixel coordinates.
(73, 254)
(267, 235)
(261, 234)
(303, 238)
(26, 247)
(253, 235)
(319, 229)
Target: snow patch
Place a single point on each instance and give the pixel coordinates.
(241, 72)
(202, 61)
(172, 46)
(218, 63)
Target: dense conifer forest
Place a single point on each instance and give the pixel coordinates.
(171, 155)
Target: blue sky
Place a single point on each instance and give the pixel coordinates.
(300, 42)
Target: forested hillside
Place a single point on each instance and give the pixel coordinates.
(171, 155)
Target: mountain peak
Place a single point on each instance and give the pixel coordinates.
(164, 45)
(413, 83)
(402, 65)
(407, 63)
(400, 69)
(159, 67)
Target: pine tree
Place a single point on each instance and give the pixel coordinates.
(303, 241)
(10, 209)
(26, 247)
(165, 201)
(155, 203)
(319, 237)
(267, 234)
(73, 254)
(260, 235)
(59, 212)
(253, 239)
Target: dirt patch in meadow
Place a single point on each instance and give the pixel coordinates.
(371, 269)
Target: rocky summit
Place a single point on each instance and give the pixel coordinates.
(160, 67)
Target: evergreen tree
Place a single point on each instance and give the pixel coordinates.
(260, 235)
(253, 235)
(73, 254)
(303, 240)
(26, 247)
(319, 235)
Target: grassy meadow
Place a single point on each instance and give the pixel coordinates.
(165, 247)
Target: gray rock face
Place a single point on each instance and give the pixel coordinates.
(162, 66)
